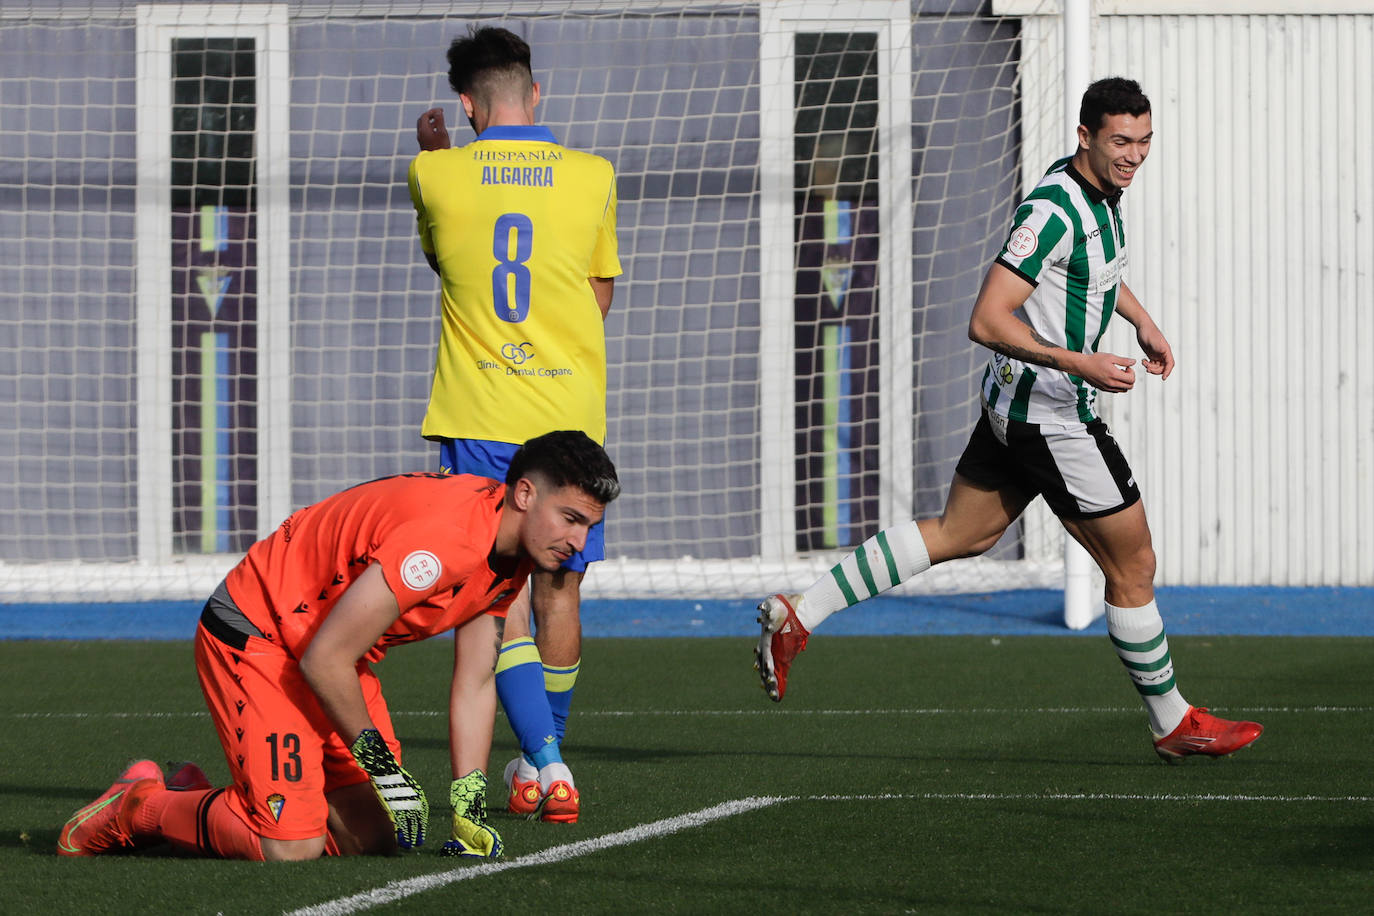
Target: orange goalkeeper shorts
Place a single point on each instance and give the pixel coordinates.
(284, 754)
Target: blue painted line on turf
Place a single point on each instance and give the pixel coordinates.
(1186, 610)
(1266, 611)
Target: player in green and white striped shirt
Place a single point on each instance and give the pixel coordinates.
(1068, 242)
(1039, 433)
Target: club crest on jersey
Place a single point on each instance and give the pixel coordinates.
(1022, 242)
(275, 803)
(420, 570)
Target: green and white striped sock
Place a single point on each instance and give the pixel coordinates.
(1138, 635)
(890, 557)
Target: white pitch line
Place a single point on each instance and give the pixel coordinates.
(1088, 796)
(398, 890)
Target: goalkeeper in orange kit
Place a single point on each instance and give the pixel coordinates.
(284, 653)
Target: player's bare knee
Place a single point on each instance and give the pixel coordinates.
(1130, 581)
(1148, 565)
(975, 545)
(292, 850)
(985, 544)
(947, 542)
(1139, 568)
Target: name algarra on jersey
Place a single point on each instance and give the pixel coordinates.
(522, 175)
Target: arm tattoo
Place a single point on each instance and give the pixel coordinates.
(1034, 357)
(1041, 339)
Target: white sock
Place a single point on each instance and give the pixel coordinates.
(551, 773)
(1138, 635)
(521, 768)
(889, 558)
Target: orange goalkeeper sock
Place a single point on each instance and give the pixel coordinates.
(198, 821)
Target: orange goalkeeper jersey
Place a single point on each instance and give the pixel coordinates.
(432, 535)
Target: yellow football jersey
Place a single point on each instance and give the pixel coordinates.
(518, 224)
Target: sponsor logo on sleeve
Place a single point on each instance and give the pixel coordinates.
(420, 570)
(1022, 242)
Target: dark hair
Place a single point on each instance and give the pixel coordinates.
(565, 458)
(486, 59)
(1113, 95)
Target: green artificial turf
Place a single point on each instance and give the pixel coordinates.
(901, 774)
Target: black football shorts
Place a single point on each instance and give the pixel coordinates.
(1077, 467)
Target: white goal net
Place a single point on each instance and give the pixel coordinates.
(215, 308)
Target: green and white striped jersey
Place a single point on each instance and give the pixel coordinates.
(1068, 241)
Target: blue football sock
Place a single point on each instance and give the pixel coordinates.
(520, 685)
(558, 686)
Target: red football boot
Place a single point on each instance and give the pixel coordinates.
(104, 824)
(1202, 733)
(783, 637)
(522, 781)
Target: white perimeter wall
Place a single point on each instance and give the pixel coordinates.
(1251, 235)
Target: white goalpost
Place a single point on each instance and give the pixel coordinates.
(1083, 588)
(219, 311)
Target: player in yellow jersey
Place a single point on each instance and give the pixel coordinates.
(521, 232)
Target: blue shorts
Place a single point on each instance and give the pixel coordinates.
(492, 459)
